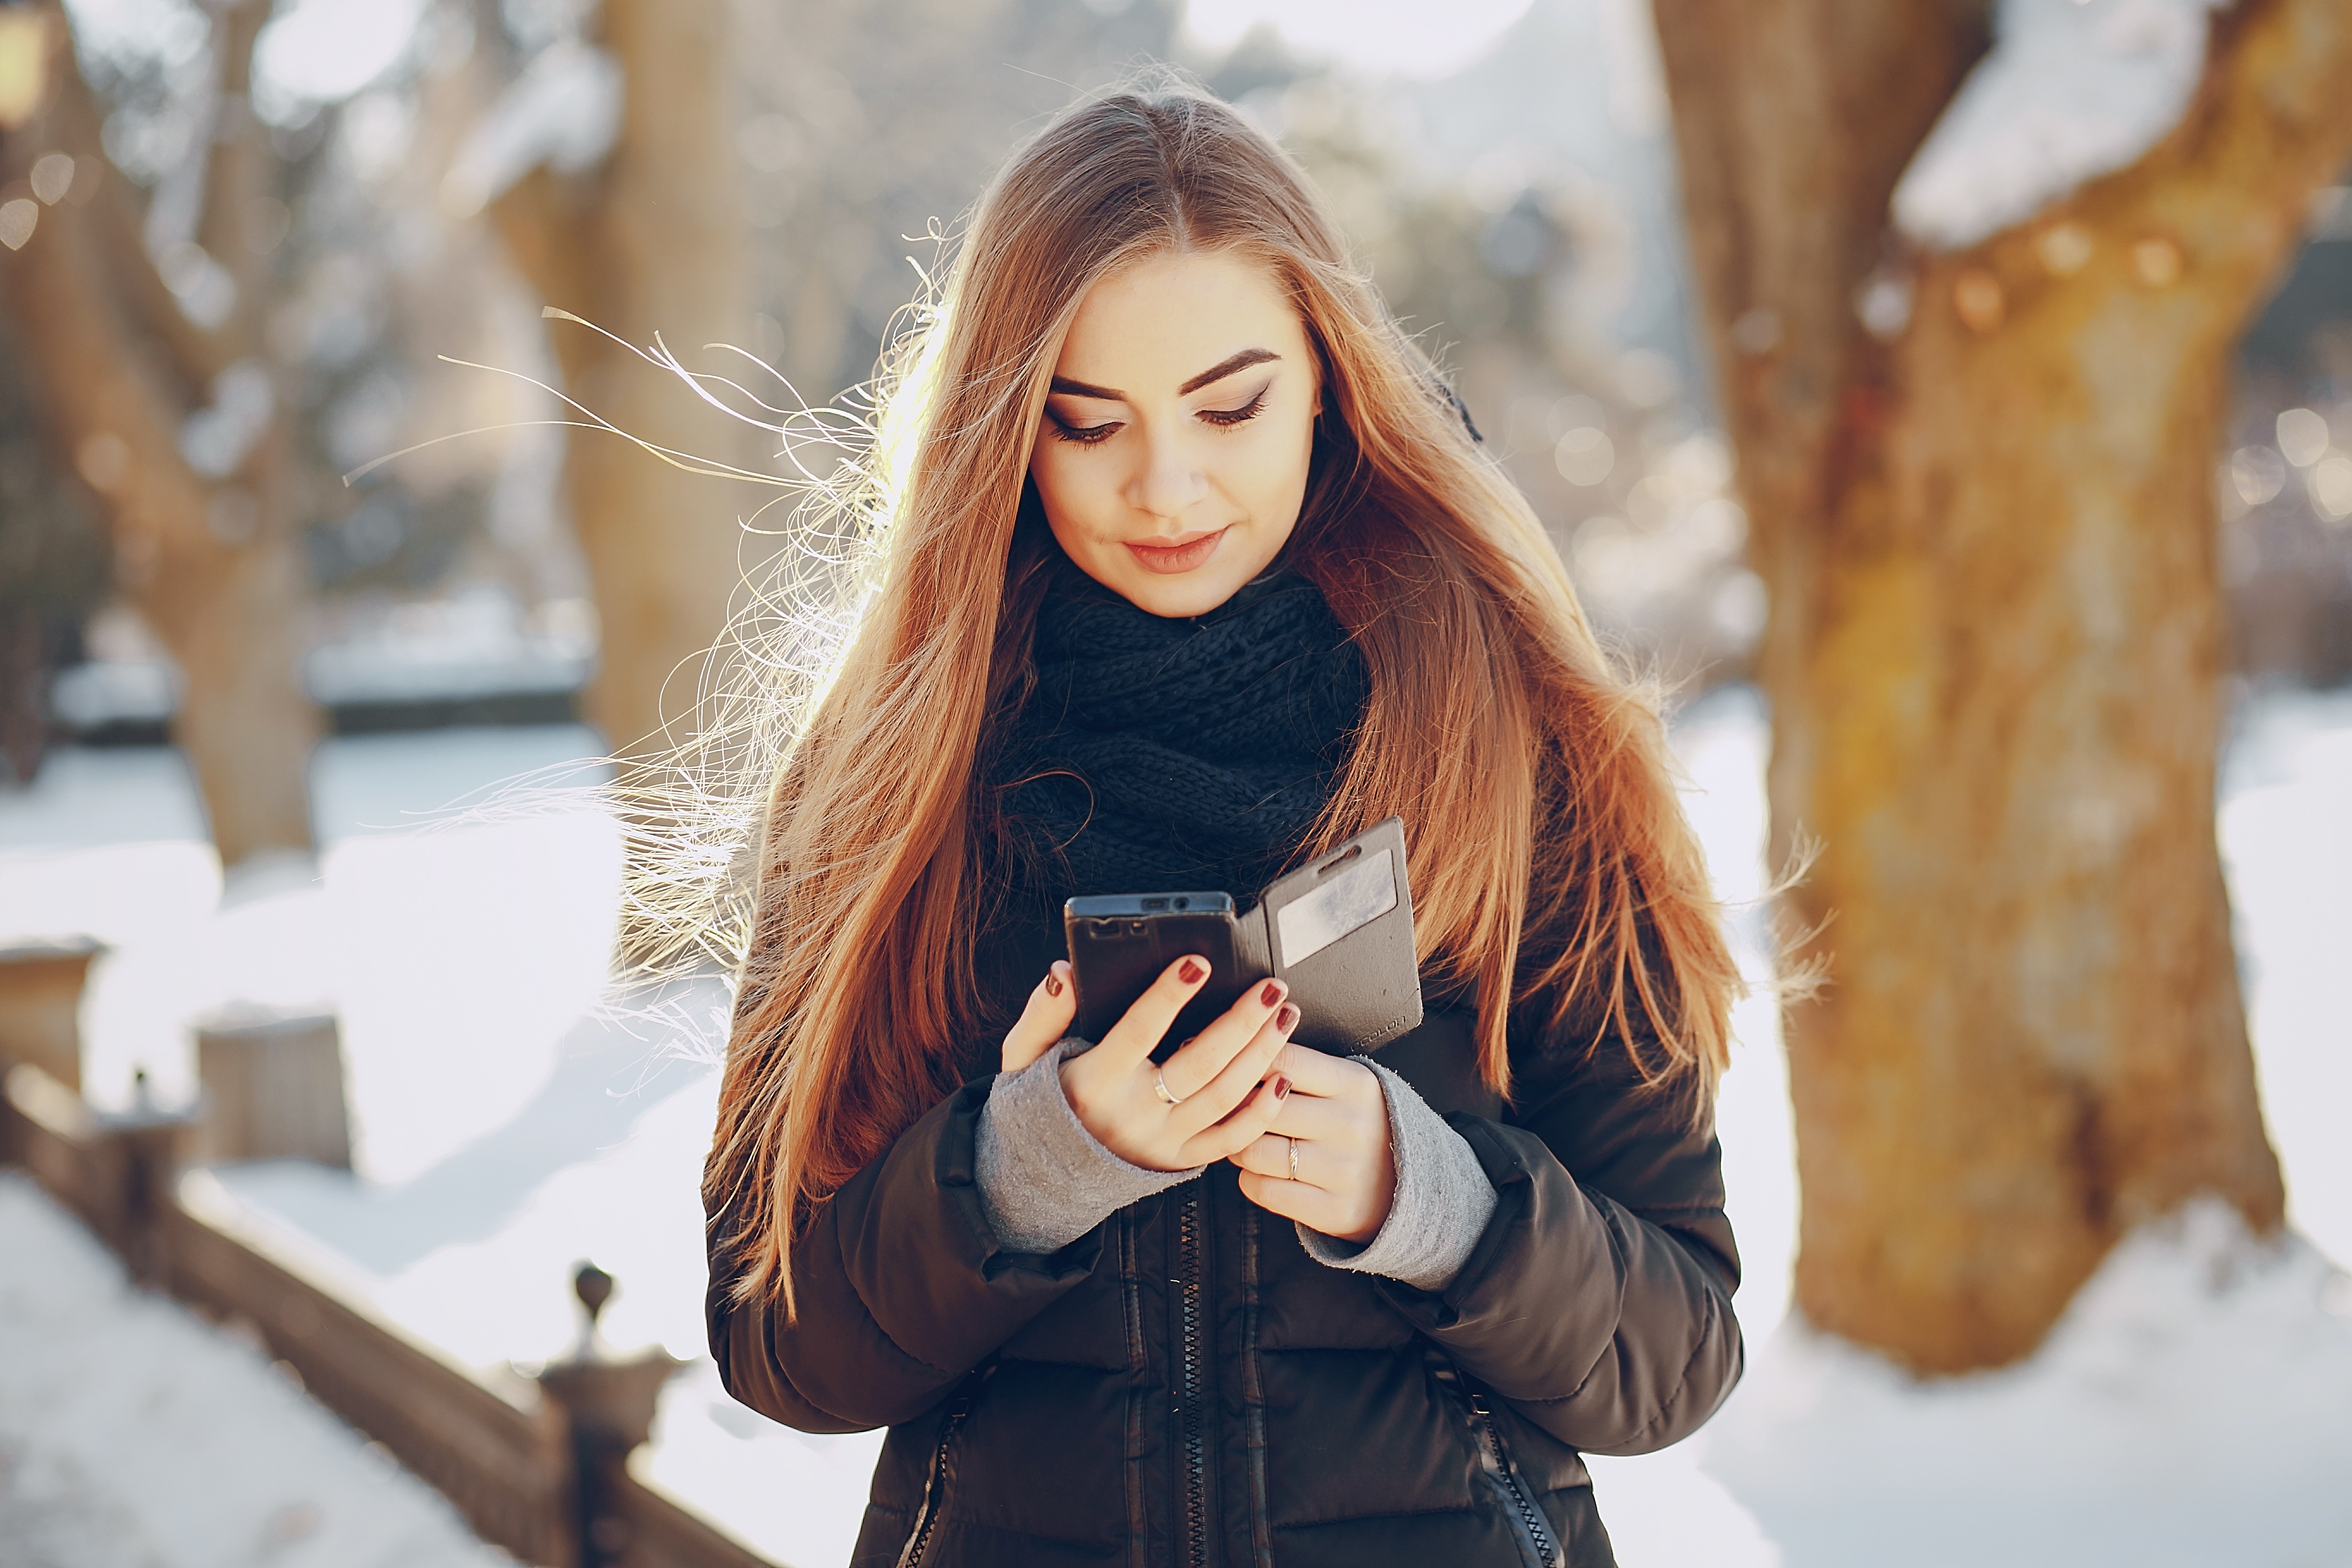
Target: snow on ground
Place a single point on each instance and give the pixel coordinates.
(132, 1432)
(457, 952)
(2072, 89)
(510, 1124)
(2286, 840)
(2193, 1406)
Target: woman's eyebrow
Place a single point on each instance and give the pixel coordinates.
(1215, 372)
(1225, 367)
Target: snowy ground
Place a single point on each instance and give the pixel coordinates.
(508, 1126)
(114, 1405)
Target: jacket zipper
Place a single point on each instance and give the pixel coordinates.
(935, 1489)
(1498, 1465)
(1192, 1417)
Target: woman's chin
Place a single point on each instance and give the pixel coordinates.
(1175, 595)
(1148, 585)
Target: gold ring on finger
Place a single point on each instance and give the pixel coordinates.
(1294, 1157)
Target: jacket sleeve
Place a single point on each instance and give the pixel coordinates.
(902, 1288)
(1598, 1299)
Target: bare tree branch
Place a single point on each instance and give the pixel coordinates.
(208, 558)
(197, 354)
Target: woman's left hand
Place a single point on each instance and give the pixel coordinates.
(1043, 1023)
(1333, 1133)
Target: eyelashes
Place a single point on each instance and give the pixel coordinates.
(1096, 435)
(1225, 418)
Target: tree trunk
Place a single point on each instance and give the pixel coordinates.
(210, 563)
(649, 242)
(1996, 644)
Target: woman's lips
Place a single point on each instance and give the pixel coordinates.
(1180, 554)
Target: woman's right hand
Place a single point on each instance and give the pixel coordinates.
(1223, 1100)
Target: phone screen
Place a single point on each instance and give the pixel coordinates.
(1119, 945)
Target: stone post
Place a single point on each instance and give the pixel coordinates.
(150, 1143)
(273, 1084)
(40, 1003)
(610, 1402)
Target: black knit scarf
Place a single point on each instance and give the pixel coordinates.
(1156, 755)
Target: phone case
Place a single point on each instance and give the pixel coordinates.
(1337, 931)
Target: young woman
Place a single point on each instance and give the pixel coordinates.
(1191, 568)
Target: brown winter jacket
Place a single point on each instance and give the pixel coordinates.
(1184, 1386)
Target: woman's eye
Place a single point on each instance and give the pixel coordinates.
(1086, 435)
(1235, 415)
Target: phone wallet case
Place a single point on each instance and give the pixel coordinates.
(1337, 931)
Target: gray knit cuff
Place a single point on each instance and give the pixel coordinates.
(1442, 1200)
(1045, 1180)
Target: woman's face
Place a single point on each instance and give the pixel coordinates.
(1172, 453)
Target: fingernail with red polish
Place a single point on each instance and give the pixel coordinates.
(1191, 972)
(1288, 1019)
(1281, 1087)
(1269, 994)
(1053, 986)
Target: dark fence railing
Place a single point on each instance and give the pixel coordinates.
(527, 1472)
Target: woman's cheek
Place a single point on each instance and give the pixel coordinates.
(1061, 485)
(1090, 500)
(1276, 478)
(1240, 470)
(1081, 502)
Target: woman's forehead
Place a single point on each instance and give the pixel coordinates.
(1156, 325)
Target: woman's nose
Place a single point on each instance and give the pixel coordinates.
(1171, 480)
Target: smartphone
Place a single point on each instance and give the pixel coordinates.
(1338, 931)
(1119, 945)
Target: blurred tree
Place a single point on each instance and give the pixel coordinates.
(52, 572)
(1981, 485)
(869, 128)
(163, 396)
(1512, 276)
(643, 238)
(861, 130)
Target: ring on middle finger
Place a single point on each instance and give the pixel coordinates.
(1160, 1088)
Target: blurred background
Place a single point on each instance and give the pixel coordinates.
(324, 615)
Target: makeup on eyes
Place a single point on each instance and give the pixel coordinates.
(1222, 418)
(1235, 415)
(1082, 434)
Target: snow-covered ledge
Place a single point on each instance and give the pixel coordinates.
(2072, 89)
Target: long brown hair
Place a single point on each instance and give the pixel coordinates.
(1552, 869)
